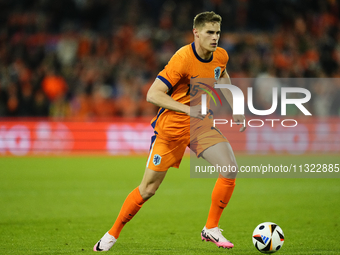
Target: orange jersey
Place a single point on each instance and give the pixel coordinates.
(183, 66)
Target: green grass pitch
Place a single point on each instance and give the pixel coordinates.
(63, 205)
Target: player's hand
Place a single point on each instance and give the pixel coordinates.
(195, 112)
(241, 119)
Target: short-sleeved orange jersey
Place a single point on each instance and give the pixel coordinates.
(183, 66)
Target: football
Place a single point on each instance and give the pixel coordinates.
(268, 237)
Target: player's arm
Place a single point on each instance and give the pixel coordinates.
(225, 79)
(157, 95)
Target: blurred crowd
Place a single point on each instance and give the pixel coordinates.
(97, 58)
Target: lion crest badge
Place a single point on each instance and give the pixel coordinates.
(217, 72)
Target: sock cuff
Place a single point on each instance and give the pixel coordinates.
(137, 197)
(226, 181)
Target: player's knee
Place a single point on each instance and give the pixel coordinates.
(233, 175)
(230, 172)
(150, 193)
(147, 192)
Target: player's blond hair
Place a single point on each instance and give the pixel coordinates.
(206, 17)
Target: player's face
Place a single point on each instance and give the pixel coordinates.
(209, 35)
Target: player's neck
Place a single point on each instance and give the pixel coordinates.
(202, 53)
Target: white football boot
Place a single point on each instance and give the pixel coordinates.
(215, 235)
(105, 243)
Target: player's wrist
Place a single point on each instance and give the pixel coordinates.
(186, 110)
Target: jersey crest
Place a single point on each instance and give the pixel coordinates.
(217, 73)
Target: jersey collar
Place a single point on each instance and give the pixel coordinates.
(198, 57)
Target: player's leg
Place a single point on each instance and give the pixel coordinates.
(221, 154)
(150, 183)
(163, 155)
(134, 201)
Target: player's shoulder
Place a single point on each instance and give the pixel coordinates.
(221, 54)
(184, 52)
(181, 58)
(220, 50)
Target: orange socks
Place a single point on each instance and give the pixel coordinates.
(131, 206)
(219, 199)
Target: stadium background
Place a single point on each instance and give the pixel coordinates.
(80, 69)
(73, 80)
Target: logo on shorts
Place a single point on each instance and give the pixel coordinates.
(157, 159)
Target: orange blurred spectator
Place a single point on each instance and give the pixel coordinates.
(84, 47)
(81, 106)
(13, 100)
(54, 86)
(102, 104)
(127, 107)
(281, 60)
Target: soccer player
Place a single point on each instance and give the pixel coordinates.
(170, 91)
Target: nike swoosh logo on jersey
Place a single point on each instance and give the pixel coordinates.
(193, 77)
